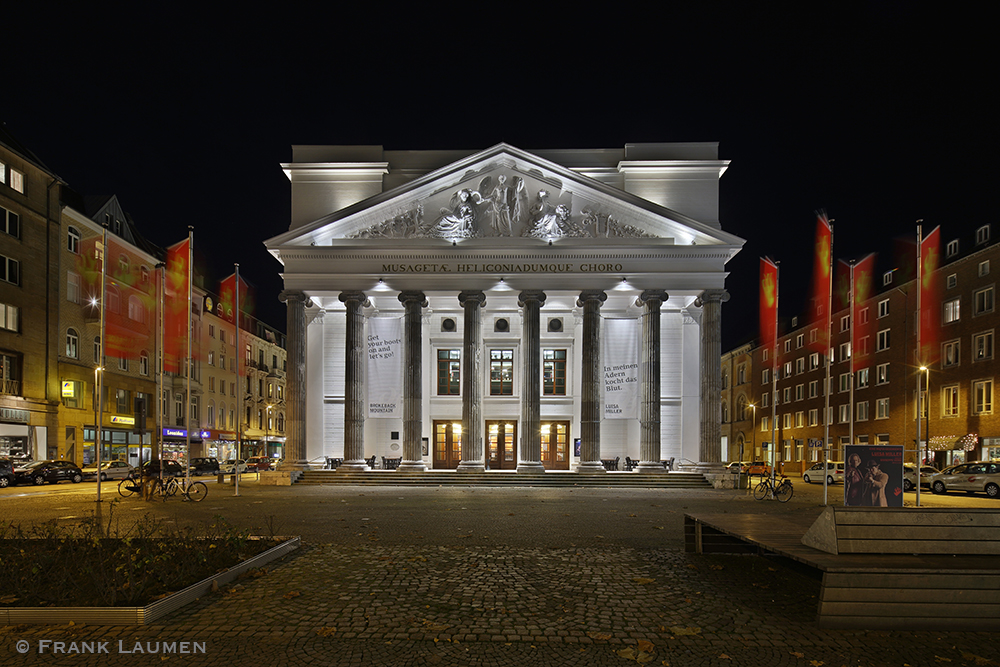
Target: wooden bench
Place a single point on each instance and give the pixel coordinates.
(611, 464)
(391, 464)
(909, 567)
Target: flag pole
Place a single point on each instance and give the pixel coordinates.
(774, 375)
(920, 352)
(850, 366)
(162, 266)
(826, 356)
(239, 383)
(190, 365)
(100, 359)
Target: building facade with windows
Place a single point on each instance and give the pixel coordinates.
(878, 403)
(29, 247)
(505, 309)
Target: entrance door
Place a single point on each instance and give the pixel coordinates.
(447, 444)
(501, 445)
(555, 445)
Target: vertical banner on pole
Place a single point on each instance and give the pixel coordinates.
(620, 356)
(930, 314)
(385, 367)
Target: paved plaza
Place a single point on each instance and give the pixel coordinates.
(463, 576)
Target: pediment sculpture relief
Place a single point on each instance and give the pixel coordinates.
(501, 207)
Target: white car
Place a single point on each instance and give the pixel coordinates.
(227, 467)
(910, 476)
(978, 476)
(835, 473)
(109, 470)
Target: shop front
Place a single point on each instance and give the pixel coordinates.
(175, 443)
(15, 435)
(220, 444)
(117, 444)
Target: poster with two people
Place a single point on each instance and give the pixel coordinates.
(873, 476)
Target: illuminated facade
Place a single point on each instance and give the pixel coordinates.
(505, 309)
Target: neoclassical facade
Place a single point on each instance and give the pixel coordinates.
(505, 309)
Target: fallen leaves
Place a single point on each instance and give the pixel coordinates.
(326, 632)
(630, 654)
(291, 594)
(979, 660)
(642, 581)
(600, 636)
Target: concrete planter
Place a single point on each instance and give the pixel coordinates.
(140, 615)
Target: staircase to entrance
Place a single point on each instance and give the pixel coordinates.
(671, 480)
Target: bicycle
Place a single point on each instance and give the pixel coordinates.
(194, 491)
(130, 484)
(781, 491)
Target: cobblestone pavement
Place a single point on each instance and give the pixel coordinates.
(366, 601)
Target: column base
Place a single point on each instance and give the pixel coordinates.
(531, 468)
(412, 466)
(591, 468)
(471, 466)
(292, 465)
(353, 467)
(651, 468)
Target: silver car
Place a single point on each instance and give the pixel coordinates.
(835, 473)
(910, 476)
(233, 466)
(109, 470)
(978, 476)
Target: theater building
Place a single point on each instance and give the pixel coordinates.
(505, 309)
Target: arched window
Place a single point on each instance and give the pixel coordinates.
(725, 380)
(136, 311)
(741, 408)
(144, 363)
(222, 416)
(281, 422)
(232, 418)
(72, 344)
(73, 240)
(211, 414)
(123, 265)
(725, 412)
(113, 300)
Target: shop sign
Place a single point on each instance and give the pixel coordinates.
(121, 419)
(182, 433)
(68, 389)
(12, 415)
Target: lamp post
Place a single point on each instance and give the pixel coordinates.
(98, 418)
(267, 428)
(753, 435)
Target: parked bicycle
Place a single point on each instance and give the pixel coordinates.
(163, 489)
(781, 491)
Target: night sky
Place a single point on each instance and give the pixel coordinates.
(878, 113)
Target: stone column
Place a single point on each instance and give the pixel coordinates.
(472, 389)
(413, 395)
(529, 454)
(710, 406)
(354, 385)
(649, 367)
(295, 383)
(590, 402)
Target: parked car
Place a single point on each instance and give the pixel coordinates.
(758, 468)
(738, 466)
(39, 472)
(109, 470)
(229, 467)
(971, 477)
(259, 463)
(205, 465)
(170, 467)
(7, 477)
(835, 473)
(910, 476)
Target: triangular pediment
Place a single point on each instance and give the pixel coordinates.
(504, 193)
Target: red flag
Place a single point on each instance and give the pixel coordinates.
(175, 315)
(227, 298)
(930, 304)
(842, 287)
(130, 299)
(768, 303)
(862, 319)
(822, 284)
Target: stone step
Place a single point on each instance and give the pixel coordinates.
(672, 480)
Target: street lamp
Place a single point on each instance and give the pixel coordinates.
(98, 418)
(267, 428)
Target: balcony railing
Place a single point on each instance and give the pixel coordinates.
(10, 387)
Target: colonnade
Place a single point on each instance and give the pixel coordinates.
(531, 301)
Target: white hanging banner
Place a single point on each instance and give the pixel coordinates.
(385, 367)
(620, 358)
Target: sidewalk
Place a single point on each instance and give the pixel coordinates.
(505, 577)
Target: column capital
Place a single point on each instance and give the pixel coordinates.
(712, 296)
(591, 295)
(411, 297)
(650, 295)
(475, 297)
(530, 295)
(287, 295)
(355, 295)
